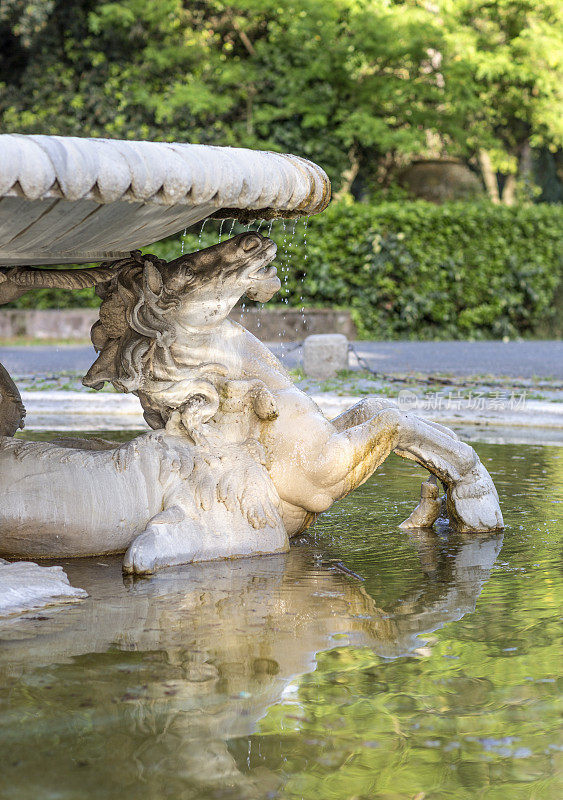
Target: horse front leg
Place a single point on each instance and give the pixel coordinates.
(472, 500)
(430, 505)
(368, 407)
(348, 457)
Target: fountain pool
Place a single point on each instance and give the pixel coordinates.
(367, 662)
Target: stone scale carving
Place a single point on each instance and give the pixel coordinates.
(239, 459)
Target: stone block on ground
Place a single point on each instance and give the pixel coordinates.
(324, 355)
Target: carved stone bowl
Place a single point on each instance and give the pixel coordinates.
(71, 200)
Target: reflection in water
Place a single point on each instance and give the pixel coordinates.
(197, 655)
(187, 684)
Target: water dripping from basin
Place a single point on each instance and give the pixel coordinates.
(305, 256)
(201, 233)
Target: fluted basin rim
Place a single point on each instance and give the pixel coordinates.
(65, 199)
(165, 173)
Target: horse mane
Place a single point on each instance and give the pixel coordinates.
(136, 333)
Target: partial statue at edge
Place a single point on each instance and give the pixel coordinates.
(239, 459)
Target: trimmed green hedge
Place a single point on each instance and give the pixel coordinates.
(57, 298)
(420, 271)
(414, 270)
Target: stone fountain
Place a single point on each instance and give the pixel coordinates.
(238, 459)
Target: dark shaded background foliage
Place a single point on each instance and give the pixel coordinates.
(361, 86)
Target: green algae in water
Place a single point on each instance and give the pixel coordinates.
(434, 676)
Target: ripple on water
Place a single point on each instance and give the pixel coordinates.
(433, 674)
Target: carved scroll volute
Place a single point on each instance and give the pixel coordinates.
(12, 411)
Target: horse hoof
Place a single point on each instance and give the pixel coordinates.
(141, 558)
(473, 504)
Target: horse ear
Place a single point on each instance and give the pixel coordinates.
(152, 278)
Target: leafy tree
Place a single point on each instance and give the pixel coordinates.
(508, 56)
(358, 85)
(346, 82)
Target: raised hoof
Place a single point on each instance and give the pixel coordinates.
(428, 510)
(473, 504)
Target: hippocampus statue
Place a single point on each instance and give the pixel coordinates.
(227, 417)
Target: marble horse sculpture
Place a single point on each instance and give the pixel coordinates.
(239, 458)
(71, 200)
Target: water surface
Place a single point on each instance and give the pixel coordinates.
(367, 663)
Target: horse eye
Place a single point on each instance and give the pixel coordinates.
(251, 242)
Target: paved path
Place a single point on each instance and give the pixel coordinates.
(514, 359)
(46, 359)
(530, 359)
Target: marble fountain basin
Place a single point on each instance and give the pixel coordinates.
(238, 459)
(68, 200)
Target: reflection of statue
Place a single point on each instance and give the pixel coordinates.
(226, 402)
(454, 572)
(174, 666)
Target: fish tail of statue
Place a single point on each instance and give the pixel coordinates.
(12, 409)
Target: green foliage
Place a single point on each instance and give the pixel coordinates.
(420, 271)
(57, 299)
(306, 77)
(360, 86)
(405, 270)
(509, 54)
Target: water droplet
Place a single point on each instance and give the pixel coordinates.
(305, 256)
(201, 233)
